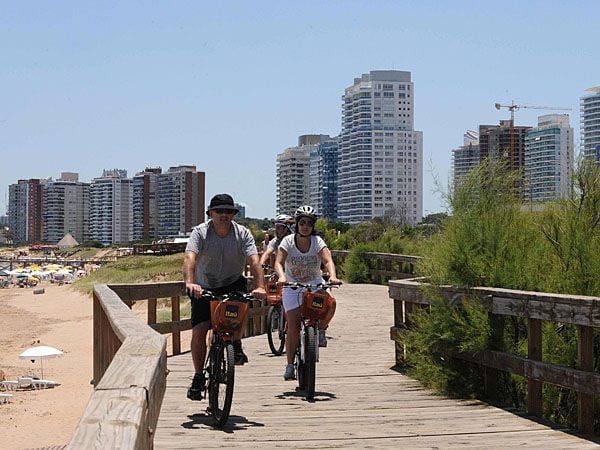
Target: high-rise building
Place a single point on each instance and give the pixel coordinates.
(145, 204)
(590, 123)
(111, 205)
(25, 211)
(66, 208)
(465, 157)
(323, 168)
(548, 159)
(180, 200)
(496, 140)
(293, 173)
(381, 154)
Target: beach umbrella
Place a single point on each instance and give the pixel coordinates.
(41, 352)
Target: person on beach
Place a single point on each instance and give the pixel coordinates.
(215, 259)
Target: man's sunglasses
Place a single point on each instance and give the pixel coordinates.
(224, 211)
(305, 222)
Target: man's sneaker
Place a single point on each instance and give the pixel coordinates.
(195, 390)
(290, 373)
(322, 339)
(239, 357)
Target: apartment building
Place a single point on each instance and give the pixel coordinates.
(66, 208)
(549, 154)
(293, 173)
(180, 200)
(465, 157)
(145, 204)
(25, 211)
(111, 207)
(323, 177)
(590, 123)
(381, 154)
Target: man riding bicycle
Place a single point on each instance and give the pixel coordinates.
(215, 259)
(299, 261)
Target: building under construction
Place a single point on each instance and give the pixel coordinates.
(505, 141)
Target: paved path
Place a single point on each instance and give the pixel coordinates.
(359, 403)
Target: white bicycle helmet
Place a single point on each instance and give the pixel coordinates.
(284, 219)
(306, 211)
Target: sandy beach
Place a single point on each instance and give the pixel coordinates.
(61, 318)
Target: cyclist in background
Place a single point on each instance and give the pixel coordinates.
(299, 261)
(283, 226)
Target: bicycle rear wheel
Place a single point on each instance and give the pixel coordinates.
(220, 389)
(311, 362)
(276, 329)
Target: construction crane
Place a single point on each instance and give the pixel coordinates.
(512, 108)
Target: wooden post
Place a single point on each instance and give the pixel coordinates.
(399, 324)
(176, 315)
(585, 357)
(492, 375)
(151, 311)
(534, 387)
(388, 268)
(98, 357)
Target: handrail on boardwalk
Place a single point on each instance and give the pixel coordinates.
(130, 363)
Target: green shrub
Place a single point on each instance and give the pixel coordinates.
(444, 329)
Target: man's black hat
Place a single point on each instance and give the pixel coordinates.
(222, 201)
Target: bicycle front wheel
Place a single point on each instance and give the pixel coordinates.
(276, 329)
(222, 374)
(310, 369)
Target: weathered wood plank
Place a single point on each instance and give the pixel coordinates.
(534, 387)
(585, 401)
(114, 419)
(144, 291)
(587, 382)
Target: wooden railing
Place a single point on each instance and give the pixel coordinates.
(130, 366)
(383, 266)
(584, 312)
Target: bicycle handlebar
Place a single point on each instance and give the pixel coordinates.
(234, 296)
(311, 287)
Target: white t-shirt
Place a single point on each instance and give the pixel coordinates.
(303, 267)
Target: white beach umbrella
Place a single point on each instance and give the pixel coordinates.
(40, 352)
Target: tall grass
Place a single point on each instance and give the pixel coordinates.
(135, 269)
(490, 240)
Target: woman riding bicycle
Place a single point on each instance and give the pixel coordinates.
(301, 254)
(283, 226)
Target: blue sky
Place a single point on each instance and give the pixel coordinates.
(226, 85)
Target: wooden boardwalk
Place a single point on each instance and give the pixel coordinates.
(360, 402)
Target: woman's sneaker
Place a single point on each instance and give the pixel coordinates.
(289, 372)
(322, 339)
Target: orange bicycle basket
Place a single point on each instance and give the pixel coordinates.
(274, 293)
(315, 305)
(227, 316)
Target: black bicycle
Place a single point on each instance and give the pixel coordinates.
(276, 319)
(227, 316)
(315, 306)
